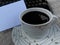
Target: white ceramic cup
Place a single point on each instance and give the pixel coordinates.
(38, 31)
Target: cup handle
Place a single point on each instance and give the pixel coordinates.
(54, 16)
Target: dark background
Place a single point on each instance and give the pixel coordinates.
(5, 2)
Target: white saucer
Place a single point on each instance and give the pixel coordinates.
(53, 38)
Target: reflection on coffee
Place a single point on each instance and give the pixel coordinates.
(35, 17)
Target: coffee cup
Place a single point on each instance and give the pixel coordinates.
(36, 21)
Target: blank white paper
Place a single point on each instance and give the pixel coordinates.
(9, 15)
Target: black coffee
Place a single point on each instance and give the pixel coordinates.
(35, 17)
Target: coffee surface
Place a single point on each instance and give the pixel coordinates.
(35, 17)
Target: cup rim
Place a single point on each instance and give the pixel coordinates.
(36, 9)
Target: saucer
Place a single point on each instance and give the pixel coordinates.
(53, 37)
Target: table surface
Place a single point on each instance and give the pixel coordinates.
(5, 37)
